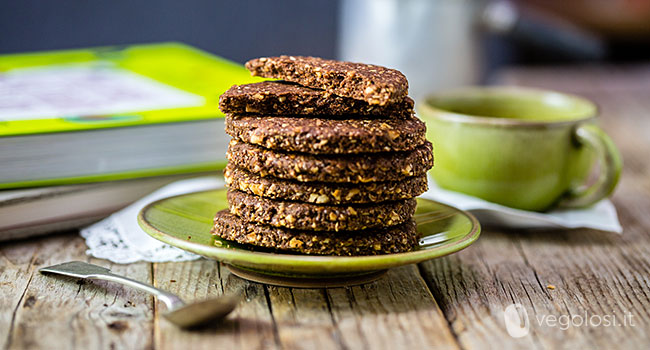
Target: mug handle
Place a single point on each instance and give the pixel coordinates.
(611, 165)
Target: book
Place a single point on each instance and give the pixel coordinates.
(112, 113)
(34, 211)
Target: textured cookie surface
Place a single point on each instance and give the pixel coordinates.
(393, 166)
(373, 84)
(395, 239)
(323, 192)
(284, 98)
(328, 136)
(319, 217)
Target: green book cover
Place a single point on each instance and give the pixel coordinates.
(106, 87)
(101, 89)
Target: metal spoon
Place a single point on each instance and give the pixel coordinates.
(178, 312)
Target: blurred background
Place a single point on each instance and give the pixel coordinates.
(437, 43)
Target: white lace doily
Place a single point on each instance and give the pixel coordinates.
(120, 239)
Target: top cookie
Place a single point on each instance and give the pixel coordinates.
(285, 98)
(374, 84)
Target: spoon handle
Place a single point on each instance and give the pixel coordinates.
(84, 270)
(171, 300)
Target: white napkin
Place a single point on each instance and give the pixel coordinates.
(601, 216)
(120, 239)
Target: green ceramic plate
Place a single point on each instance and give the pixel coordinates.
(185, 221)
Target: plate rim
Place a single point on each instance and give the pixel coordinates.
(326, 262)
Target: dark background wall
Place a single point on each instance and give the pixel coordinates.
(235, 29)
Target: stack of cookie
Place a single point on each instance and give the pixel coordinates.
(326, 161)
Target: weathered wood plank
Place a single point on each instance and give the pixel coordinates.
(303, 319)
(250, 326)
(395, 312)
(306, 318)
(17, 261)
(594, 273)
(475, 286)
(59, 312)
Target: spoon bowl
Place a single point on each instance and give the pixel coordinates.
(202, 312)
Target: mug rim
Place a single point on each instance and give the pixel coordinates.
(434, 112)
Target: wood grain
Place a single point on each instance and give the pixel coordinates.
(16, 266)
(302, 319)
(393, 313)
(60, 312)
(396, 312)
(250, 326)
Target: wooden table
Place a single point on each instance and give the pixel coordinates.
(453, 302)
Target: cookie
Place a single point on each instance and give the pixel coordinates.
(285, 98)
(322, 192)
(395, 239)
(355, 168)
(319, 217)
(374, 84)
(328, 136)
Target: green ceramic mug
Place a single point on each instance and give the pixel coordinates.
(523, 148)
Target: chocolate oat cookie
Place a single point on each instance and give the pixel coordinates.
(355, 168)
(319, 217)
(285, 98)
(394, 239)
(328, 136)
(322, 192)
(374, 84)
